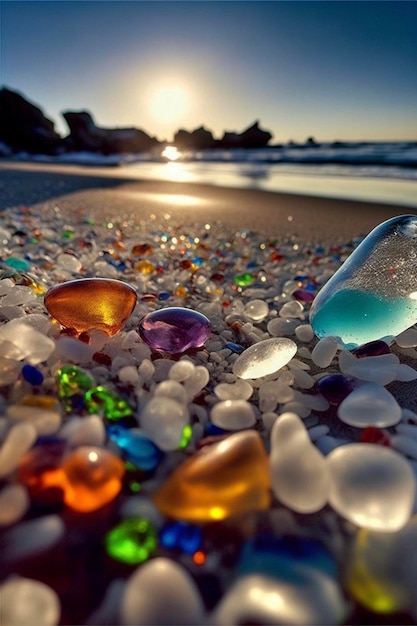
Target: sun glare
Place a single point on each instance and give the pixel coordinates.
(169, 103)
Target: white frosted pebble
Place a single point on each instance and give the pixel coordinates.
(381, 369)
(407, 339)
(181, 370)
(14, 502)
(406, 429)
(299, 473)
(268, 395)
(371, 486)
(195, 383)
(304, 597)
(264, 358)
(269, 420)
(27, 343)
(26, 602)
(318, 431)
(7, 284)
(9, 369)
(324, 351)
(302, 379)
(172, 389)
(238, 390)
(405, 445)
(296, 364)
(19, 295)
(74, 350)
(282, 327)
(45, 421)
(256, 310)
(129, 375)
(316, 403)
(370, 405)
(18, 441)
(177, 601)
(301, 409)
(31, 538)
(284, 392)
(146, 369)
(286, 378)
(292, 309)
(408, 415)
(164, 420)
(84, 431)
(233, 414)
(304, 332)
(405, 373)
(69, 262)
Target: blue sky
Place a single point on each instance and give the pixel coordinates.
(332, 70)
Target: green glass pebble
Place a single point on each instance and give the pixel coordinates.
(186, 436)
(72, 380)
(110, 404)
(17, 264)
(243, 280)
(133, 541)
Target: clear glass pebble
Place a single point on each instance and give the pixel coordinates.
(25, 602)
(233, 414)
(370, 405)
(373, 294)
(14, 502)
(264, 357)
(164, 419)
(239, 390)
(371, 486)
(25, 342)
(256, 310)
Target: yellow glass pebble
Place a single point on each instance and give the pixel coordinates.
(181, 291)
(144, 267)
(225, 479)
(91, 303)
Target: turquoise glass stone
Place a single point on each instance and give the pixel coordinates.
(138, 448)
(373, 295)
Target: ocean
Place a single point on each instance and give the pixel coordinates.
(384, 172)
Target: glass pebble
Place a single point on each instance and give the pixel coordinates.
(372, 434)
(299, 473)
(181, 370)
(18, 440)
(25, 342)
(373, 294)
(222, 480)
(144, 267)
(181, 536)
(371, 486)
(93, 478)
(334, 387)
(239, 390)
(91, 303)
(40, 471)
(72, 380)
(17, 263)
(256, 310)
(382, 369)
(265, 357)
(14, 502)
(133, 541)
(164, 420)
(244, 280)
(324, 351)
(174, 329)
(138, 448)
(370, 405)
(106, 402)
(23, 598)
(373, 348)
(303, 295)
(233, 414)
(32, 375)
(381, 570)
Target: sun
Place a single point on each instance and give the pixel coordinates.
(169, 103)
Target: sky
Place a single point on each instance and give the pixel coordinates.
(332, 70)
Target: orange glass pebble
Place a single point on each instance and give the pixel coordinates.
(93, 478)
(40, 471)
(225, 479)
(91, 303)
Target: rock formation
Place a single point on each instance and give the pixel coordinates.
(252, 137)
(24, 127)
(198, 139)
(85, 135)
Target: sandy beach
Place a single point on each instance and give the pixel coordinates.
(109, 210)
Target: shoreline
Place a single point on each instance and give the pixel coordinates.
(110, 194)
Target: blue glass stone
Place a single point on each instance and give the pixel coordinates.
(334, 387)
(32, 375)
(211, 429)
(138, 448)
(234, 347)
(373, 295)
(181, 536)
(285, 556)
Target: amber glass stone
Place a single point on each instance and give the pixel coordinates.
(91, 303)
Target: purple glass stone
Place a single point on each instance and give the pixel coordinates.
(174, 329)
(373, 348)
(334, 387)
(303, 295)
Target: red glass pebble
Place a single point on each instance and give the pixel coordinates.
(372, 434)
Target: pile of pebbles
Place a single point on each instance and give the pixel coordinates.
(252, 289)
